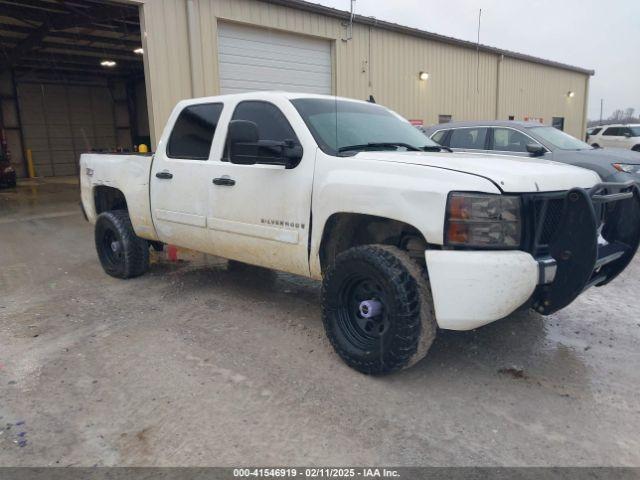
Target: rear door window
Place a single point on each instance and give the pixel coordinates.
(612, 132)
(193, 132)
(509, 140)
(469, 138)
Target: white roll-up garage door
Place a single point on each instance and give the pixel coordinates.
(260, 59)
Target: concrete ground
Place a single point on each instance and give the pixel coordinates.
(193, 364)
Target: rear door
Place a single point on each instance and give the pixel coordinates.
(610, 137)
(469, 139)
(179, 182)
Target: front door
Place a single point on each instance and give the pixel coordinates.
(611, 137)
(509, 141)
(260, 213)
(179, 186)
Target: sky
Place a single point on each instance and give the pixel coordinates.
(597, 35)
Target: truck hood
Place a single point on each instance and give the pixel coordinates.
(509, 173)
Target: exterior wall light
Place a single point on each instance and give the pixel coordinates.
(571, 94)
(139, 51)
(423, 76)
(108, 63)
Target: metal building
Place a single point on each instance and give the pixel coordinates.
(86, 75)
(207, 47)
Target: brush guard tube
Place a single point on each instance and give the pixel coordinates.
(584, 256)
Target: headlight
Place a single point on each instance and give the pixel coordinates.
(626, 167)
(483, 220)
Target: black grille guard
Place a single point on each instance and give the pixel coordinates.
(586, 254)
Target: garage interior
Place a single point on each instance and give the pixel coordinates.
(71, 80)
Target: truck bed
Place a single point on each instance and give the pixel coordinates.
(125, 172)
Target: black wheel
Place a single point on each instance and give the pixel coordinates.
(377, 309)
(122, 253)
(636, 148)
(595, 145)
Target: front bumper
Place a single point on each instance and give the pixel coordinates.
(473, 288)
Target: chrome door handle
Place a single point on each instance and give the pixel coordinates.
(164, 175)
(224, 181)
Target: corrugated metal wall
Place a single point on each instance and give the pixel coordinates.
(59, 122)
(376, 62)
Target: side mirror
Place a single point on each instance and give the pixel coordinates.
(242, 142)
(291, 153)
(535, 149)
(627, 135)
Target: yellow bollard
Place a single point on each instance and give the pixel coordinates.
(142, 148)
(30, 167)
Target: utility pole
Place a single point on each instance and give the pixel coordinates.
(601, 105)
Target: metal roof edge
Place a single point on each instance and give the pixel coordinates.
(372, 21)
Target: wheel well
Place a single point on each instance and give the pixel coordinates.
(108, 198)
(346, 230)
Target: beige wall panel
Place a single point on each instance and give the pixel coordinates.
(167, 55)
(533, 90)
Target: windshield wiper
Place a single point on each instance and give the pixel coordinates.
(435, 148)
(379, 145)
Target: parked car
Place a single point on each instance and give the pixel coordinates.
(7, 174)
(533, 140)
(617, 136)
(591, 131)
(350, 193)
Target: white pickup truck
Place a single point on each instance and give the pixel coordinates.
(406, 236)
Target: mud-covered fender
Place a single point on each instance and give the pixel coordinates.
(413, 194)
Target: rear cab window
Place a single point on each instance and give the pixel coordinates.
(193, 132)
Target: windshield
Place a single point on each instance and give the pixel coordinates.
(559, 139)
(344, 128)
(635, 131)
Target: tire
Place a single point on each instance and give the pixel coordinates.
(401, 334)
(121, 252)
(636, 148)
(595, 145)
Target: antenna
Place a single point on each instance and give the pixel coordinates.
(478, 52)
